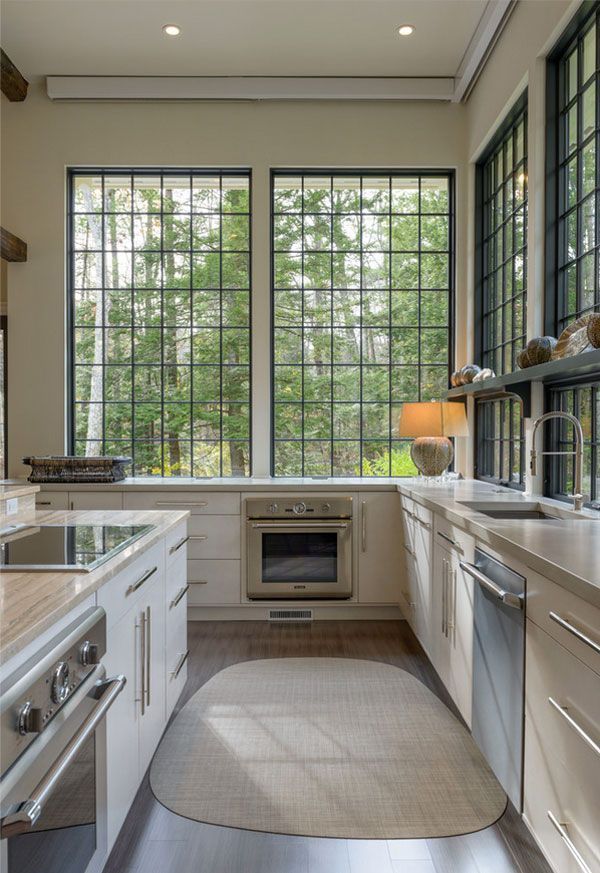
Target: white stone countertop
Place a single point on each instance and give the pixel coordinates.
(254, 483)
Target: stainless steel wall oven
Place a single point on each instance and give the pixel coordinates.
(299, 547)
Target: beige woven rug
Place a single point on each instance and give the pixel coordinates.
(324, 747)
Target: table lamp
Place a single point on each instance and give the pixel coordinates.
(431, 423)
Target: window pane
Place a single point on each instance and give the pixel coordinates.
(583, 401)
(161, 312)
(361, 301)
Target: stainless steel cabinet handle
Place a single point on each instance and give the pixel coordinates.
(363, 534)
(148, 653)
(142, 627)
(451, 622)
(106, 691)
(182, 659)
(424, 524)
(43, 503)
(444, 577)
(296, 525)
(575, 631)
(507, 597)
(564, 712)
(562, 830)
(409, 550)
(452, 542)
(198, 582)
(135, 585)
(179, 596)
(199, 537)
(181, 503)
(178, 545)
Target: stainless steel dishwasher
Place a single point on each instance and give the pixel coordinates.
(499, 669)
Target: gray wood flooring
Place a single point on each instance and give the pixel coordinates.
(154, 840)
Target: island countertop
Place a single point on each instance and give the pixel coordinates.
(32, 602)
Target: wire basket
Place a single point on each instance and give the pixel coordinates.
(67, 468)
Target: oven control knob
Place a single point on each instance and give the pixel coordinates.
(60, 683)
(88, 654)
(273, 507)
(29, 719)
(299, 508)
(326, 507)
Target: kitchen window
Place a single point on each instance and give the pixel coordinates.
(362, 285)
(159, 293)
(583, 401)
(500, 442)
(573, 243)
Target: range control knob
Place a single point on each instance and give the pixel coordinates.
(88, 654)
(299, 508)
(60, 683)
(326, 507)
(29, 719)
(273, 507)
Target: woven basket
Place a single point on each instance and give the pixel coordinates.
(67, 468)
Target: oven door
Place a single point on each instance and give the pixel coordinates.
(299, 559)
(52, 797)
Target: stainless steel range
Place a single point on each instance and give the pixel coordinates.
(299, 547)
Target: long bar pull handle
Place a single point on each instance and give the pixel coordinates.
(43, 503)
(424, 524)
(182, 659)
(363, 535)
(178, 545)
(199, 537)
(148, 653)
(451, 621)
(135, 585)
(507, 597)
(181, 503)
(444, 574)
(296, 524)
(179, 597)
(562, 830)
(575, 631)
(143, 660)
(564, 712)
(451, 542)
(106, 692)
(409, 550)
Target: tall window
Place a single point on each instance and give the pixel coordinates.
(583, 401)
(362, 301)
(502, 223)
(500, 443)
(574, 243)
(159, 310)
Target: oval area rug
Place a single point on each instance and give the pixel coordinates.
(324, 747)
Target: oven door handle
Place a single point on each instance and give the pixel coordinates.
(105, 691)
(270, 525)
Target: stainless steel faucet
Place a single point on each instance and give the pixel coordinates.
(578, 453)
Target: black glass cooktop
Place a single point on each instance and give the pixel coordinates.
(65, 547)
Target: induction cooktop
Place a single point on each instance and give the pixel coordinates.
(65, 547)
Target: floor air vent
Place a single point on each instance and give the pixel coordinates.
(297, 615)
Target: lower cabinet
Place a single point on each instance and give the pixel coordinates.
(380, 558)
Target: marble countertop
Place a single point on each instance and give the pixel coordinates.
(31, 602)
(251, 483)
(10, 488)
(566, 551)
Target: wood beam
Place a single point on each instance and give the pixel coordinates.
(14, 86)
(11, 247)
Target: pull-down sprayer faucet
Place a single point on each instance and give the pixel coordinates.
(578, 453)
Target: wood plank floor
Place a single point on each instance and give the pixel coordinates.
(154, 840)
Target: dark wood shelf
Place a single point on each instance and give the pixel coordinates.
(519, 382)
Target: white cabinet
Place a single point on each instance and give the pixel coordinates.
(452, 614)
(380, 561)
(95, 500)
(423, 557)
(152, 670)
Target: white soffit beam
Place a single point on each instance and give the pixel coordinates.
(109, 88)
(488, 30)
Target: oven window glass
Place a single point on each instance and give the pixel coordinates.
(299, 557)
(63, 840)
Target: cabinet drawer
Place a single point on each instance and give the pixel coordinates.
(126, 588)
(177, 582)
(452, 537)
(176, 650)
(214, 536)
(198, 502)
(46, 501)
(176, 543)
(213, 582)
(562, 767)
(565, 617)
(95, 500)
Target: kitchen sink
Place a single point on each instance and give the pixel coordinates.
(518, 511)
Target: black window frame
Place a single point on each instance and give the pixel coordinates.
(556, 314)
(72, 173)
(487, 435)
(435, 173)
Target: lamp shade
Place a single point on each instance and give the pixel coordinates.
(433, 419)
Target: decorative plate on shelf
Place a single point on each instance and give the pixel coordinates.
(573, 340)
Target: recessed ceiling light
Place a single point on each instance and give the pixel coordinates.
(406, 29)
(172, 30)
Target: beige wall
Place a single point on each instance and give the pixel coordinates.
(40, 139)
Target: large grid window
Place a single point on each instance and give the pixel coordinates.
(583, 401)
(574, 83)
(159, 311)
(500, 442)
(502, 177)
(362, 303)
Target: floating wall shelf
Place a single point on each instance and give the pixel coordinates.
(519, 382)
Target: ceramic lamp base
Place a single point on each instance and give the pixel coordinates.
(432, 455)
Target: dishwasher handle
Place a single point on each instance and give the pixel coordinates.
(507, 597)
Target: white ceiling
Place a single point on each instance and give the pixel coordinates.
(238, 37)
